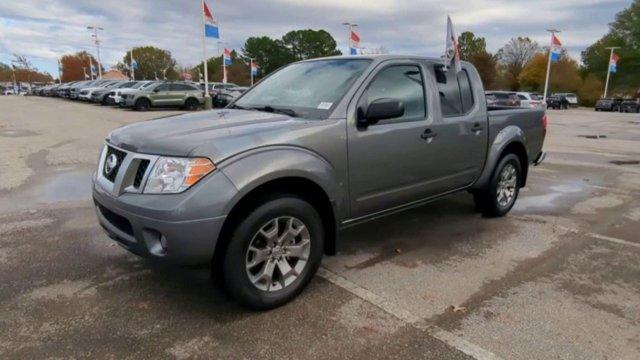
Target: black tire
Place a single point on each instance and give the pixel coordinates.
(142, 104)
(191, 104)
(105, 100)
(234, 272)
(486, 200)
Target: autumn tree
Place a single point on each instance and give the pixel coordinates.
(564, 75)
(514, 56)
(152, 63)
(591, 90)
(76, 66)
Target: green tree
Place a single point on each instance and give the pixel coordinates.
(591, 90)
(270, 54)
(237, 72)
(309, 44)
(624, 32)
(474, 50)
(152, 62)
(471, 45)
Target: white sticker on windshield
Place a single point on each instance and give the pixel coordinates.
(325, 105)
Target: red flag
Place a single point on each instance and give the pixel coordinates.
(355, 38)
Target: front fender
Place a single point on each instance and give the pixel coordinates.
(505, 137)
(256, 167)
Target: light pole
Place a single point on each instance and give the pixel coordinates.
(606, 85)
(350, 26)
(97, 42)
(546, 82)
(133, 69)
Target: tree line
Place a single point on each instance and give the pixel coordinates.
(518, 65)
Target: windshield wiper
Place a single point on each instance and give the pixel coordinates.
(271, 109)
(234, 106)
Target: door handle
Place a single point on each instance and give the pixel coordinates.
(477, 127)
(428, 135)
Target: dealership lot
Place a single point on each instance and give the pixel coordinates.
(557, 278)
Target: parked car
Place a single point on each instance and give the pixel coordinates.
(116, 94)
(86, 93)
(610, 104)
(173, 94)
(102, 95)
(504, 98)
(630, 105)
(216, 87)
(571, 98)
(224, 98)
(261, 189)
(557, 102)
(531, 100)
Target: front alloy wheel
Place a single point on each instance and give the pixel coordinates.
(273, 252)
(278, 253)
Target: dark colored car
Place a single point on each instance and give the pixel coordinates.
(612, 104)
(557, 102)
(630, 106)
(504, 98)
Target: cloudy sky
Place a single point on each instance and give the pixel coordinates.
(46, 29)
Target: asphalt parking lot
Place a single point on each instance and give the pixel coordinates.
(559, 277)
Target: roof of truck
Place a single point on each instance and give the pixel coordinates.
(380, 57)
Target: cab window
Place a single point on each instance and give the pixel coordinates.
(401, 82)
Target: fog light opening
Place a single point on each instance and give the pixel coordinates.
(163, 243)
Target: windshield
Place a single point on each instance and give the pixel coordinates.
(307, 89)
(147, 85)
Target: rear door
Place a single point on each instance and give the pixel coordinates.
(462, 133)
(178, 94)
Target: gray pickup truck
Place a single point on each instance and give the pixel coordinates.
(261, 189)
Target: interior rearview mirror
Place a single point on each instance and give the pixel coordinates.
(381, 109)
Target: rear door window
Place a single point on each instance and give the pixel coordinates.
(456, 96)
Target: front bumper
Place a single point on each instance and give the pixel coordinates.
(178, 228)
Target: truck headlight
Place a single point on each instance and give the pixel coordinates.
(172, 175)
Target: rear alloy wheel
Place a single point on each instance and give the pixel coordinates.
(191, 104)
(142, 104)
(273, 253)
(498, 199)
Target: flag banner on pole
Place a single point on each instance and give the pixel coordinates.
(255, 69)
(134, 65)
(613, 65)
(227, 57)
(556, 48)
(210, 23)
(354, 45)
(452, 52)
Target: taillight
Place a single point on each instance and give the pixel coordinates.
(545, 123)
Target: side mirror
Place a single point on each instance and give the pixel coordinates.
(381, 109)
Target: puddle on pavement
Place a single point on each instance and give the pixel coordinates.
(593, 136)
(63, 184)
(17, 133)
(625, 162)
(548, 200)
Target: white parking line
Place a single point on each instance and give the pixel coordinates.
(578, 231)
(397, 311)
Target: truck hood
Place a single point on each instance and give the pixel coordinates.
(217, 134)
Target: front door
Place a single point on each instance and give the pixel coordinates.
(390, 162)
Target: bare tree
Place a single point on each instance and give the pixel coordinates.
(515, 55)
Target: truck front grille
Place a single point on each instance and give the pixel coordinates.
(142, 169)
(109, 169)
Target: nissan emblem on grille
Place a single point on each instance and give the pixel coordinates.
(110, 163)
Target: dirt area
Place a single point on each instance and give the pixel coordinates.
(557, 278)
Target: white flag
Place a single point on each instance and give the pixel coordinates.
(452, 53)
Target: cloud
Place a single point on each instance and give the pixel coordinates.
(46, 30)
